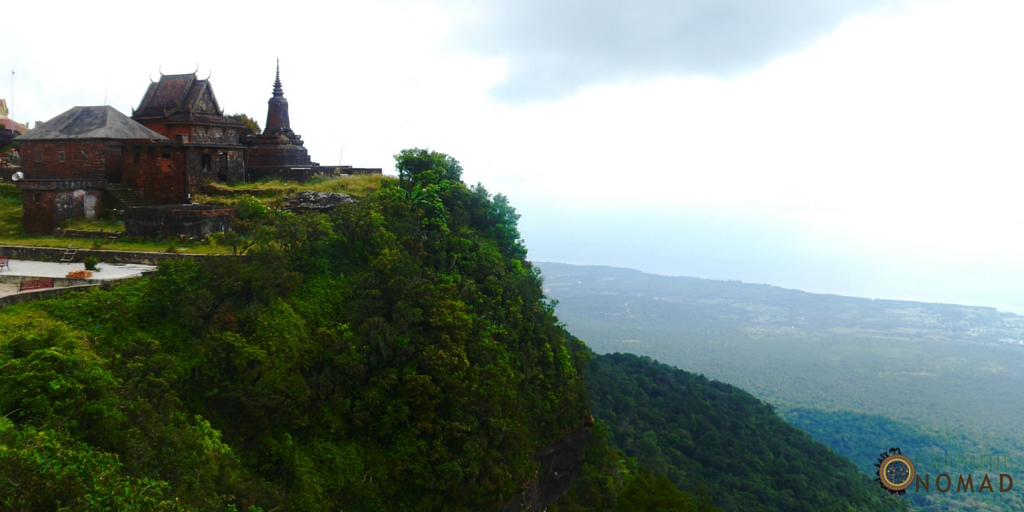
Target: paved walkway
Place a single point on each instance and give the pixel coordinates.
(34, 269)
(107, 271)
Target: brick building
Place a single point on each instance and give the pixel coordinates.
(184, 109)
(69, 161)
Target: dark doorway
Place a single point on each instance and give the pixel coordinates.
(222, 167)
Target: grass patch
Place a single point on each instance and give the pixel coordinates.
(93, 225)
(272, 192)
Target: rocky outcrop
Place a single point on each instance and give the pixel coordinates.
(560, 464)
(315, 201)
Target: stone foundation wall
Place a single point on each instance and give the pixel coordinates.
(58, 282)
(176, 220)
(305, 174)
(48, 293)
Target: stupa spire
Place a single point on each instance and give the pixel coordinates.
(278, 91)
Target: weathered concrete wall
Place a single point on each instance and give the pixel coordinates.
(20, 252)
(236, 165)
(43, 209)
(176, 220)
(48, 293)
(304, 175)
(58, 282)
(338, 170)
(77, 204)
(258, 174)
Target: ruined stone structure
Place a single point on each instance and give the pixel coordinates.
(184, 109)
(278, 151)
(69, 161)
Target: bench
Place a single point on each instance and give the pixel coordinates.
(36, 284)
(3, 263)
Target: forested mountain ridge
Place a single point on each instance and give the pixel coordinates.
(397, 354)
(861, 375)
(704, 434)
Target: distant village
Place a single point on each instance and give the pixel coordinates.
(149, 165)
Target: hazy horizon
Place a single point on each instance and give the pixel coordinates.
(760, 249)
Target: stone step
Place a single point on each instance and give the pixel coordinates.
(125, 196)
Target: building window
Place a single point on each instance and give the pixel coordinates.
(39, 155)
(38, 197)
(138, 158)
(166, 156)
(60, 156)
(85, 156)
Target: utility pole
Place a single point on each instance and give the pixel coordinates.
(10, 111)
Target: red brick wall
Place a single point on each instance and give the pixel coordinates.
(155, 172)
(156, 126)
(39, 216)
(66, 159)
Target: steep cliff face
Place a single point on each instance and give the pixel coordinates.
(560, 465)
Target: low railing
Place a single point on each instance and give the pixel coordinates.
(35, 284)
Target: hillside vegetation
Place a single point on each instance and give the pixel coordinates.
(397, 355)
(710, 437)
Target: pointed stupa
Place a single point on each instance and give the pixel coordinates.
(277, 109)
(278, 151)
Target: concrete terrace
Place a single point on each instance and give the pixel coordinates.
(24, 269)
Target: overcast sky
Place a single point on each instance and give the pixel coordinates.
(868, 147)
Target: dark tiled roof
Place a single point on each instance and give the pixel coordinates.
(91, 123)
(181, 97)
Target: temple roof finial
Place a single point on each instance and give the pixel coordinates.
(278, 92)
